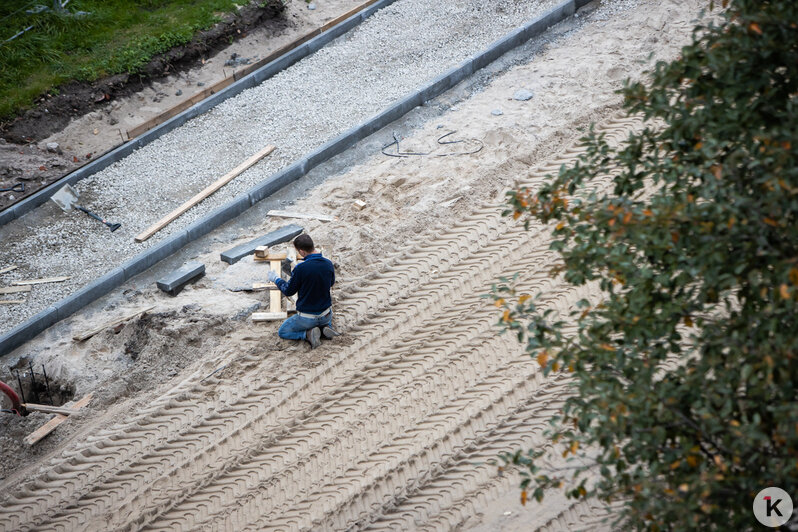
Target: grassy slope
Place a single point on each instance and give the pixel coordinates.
(116, 36)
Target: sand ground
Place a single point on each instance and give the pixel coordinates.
(386, 426)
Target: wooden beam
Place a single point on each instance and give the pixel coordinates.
(270, 257)
(268, 316)
(40, 281)
(92, 332)
(261, 251)
(304, 216)
(11, 301)
(48, 409)
(51, 425)
(264, 286)
(207, 191)
(14, 289)
(9, 268)
(275, 296)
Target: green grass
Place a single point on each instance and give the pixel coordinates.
(117, 36)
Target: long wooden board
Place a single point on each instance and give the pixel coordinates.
(302, 215)
(207, 191)
(40, 281)
(275, 296)
(11, 301)
(268, 316)
(14, 289)
(88, 334)
(9, 268)
(51, 425)
(48, 409)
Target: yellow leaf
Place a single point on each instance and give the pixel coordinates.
(784, 291)
(560, 225)
(499, 303)
(574, 446)
(755, 28)
(717, 170)
(516, 215)
(699, 145)
(733, 423)
(793, 275)
(506, 316)
(676, 464)
(523, 498)
(582, 491)
(648, 212)
(692, 460)
(627, 217)
(524, 298)
(683, 488)
(770, 221)
(607, 347)
(555, 366)
(688, 322)
(543, 358)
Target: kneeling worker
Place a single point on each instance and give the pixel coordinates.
(312, 278)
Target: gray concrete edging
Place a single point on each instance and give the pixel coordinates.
(32, 327)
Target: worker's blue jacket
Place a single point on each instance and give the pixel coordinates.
(312, 278)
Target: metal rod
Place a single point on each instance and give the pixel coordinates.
(33, 383)
(47, 384)
(21, 391)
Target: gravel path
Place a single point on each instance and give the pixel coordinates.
(391, 53)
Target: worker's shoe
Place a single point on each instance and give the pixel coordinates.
(314, 337)
(329, 333)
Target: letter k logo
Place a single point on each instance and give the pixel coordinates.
(772, 506)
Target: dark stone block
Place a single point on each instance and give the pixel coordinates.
(284, 234)
(173, 283)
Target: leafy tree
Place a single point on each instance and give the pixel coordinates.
(685, 373)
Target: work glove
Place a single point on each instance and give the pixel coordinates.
(272, 276)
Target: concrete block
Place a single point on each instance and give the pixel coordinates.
(91, 292)
(155, 254)
(27, 330)
(274, 183)
(284, 234)
(222, 215)
(174, 282)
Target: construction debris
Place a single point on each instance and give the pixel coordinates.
(8, 269)
(359, 205)
(14, 289)
(289, 214)
(173, 283)
(92, 332)
(40, 281)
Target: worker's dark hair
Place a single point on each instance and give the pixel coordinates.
(304, 243)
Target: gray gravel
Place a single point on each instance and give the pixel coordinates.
(396, 50)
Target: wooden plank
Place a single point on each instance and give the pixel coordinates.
(11, 301)
(268, 316)
(9, 268)
(14, 289)
(304, 216)
(51, 425)
(275, 296)
(207, 191)
(40, 281)
(261, 251)
(92, 332)
(48, 409)
(270, 257)
(264, 286)
(359, 204)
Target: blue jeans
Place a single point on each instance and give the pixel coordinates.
(294, 327)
